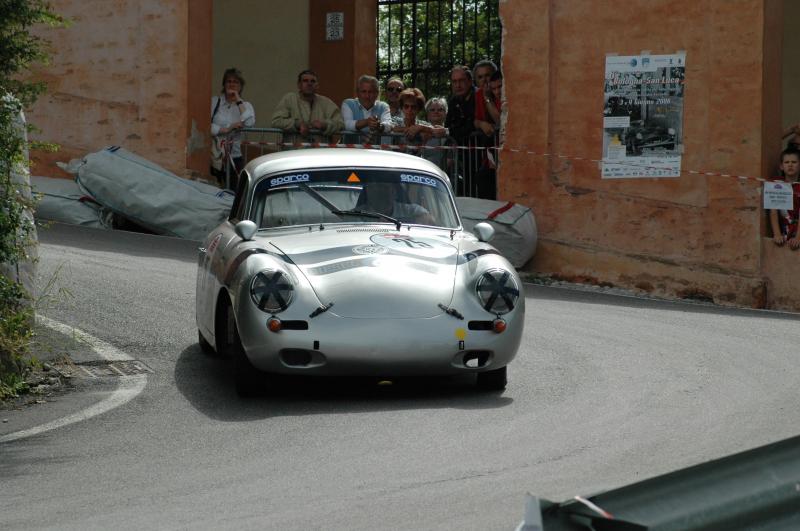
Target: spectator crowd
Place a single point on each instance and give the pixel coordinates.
(470, 117)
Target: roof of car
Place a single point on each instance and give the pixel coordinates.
(303, 159)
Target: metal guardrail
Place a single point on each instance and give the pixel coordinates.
(756, 489)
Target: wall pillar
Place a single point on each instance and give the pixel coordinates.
(339, 63)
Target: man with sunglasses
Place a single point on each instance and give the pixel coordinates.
(394, 86)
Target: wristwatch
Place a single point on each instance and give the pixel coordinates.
(239, 102)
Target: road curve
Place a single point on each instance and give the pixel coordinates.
(606, 391)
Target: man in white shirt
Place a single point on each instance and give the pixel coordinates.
(364, 113)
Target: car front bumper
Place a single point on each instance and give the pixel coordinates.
(333, 345)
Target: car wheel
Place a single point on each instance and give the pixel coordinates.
(494, 380)
(205, 346)
(246, 378)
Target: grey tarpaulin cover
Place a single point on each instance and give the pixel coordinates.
(62, 200)
(152, 197)
(514, 225)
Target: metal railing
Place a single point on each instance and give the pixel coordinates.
(756, 489)
(469, 167)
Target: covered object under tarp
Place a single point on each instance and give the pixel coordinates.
(150, 196)
(514, 226)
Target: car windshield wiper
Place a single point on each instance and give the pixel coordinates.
(318, 197)
(352, 212)
(368, 214)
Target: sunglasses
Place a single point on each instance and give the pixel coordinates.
(394, 89)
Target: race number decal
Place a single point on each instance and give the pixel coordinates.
(416, 245)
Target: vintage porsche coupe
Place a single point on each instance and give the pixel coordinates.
(354, 262)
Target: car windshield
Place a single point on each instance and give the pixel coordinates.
(352, 196)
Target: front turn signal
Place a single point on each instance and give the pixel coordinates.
(499, 326)
(274, 324)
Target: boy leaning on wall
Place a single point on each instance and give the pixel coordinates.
(784, 222)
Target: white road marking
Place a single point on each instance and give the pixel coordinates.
(129, 388)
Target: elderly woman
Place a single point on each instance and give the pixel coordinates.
(436, 112)
(229, 113)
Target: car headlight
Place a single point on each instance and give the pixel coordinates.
(272, 291)
(497, 291)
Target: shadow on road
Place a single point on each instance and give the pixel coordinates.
(207, 383)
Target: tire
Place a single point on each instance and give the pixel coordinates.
(494, 380)
(246, 378)
(224, 327)
(205, 346)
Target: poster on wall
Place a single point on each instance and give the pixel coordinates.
(643, 115)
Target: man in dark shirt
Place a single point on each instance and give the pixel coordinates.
(460, 119)
(476, 178)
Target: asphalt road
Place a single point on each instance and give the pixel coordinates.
(606, 391)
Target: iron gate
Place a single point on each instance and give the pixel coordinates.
(421, 40)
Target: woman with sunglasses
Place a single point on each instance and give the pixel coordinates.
(412, 100)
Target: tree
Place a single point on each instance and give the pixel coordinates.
(19, 50)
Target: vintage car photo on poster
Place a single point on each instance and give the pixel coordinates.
(354, 262)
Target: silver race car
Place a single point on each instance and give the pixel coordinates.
(354, 262)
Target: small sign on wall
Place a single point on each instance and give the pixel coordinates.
(334, 26)
(778, 196)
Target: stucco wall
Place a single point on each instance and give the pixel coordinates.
(268, 41)
(118, 76)
(694, 235)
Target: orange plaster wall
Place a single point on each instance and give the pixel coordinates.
(119, 76)
(339, 63)
(680, 236)
(199, 68)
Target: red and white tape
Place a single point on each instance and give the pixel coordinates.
(405, 147)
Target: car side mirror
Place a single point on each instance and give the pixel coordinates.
(483, 231)
(245, 229)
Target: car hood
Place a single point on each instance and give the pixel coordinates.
(375, 273)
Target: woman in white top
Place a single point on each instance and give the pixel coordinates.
(229, 113)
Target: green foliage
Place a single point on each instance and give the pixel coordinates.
(15, 228)
(12, 384)
(16, 317)
(19, 50)
(420, 40)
